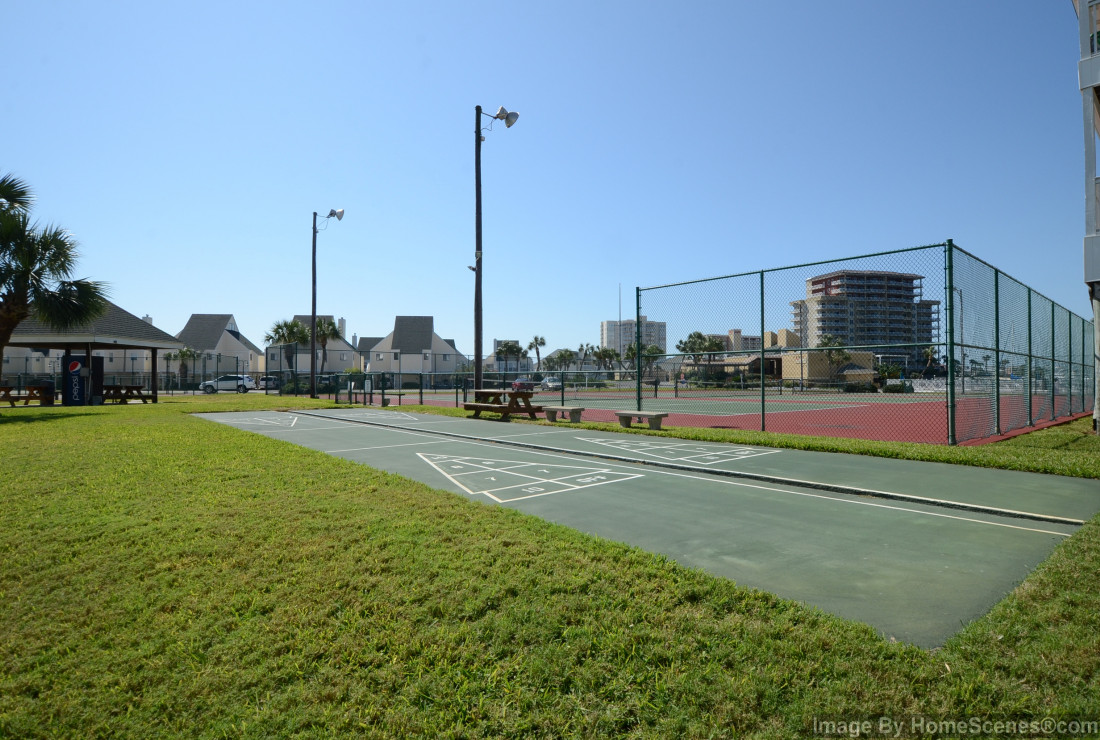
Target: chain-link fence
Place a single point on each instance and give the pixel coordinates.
(928, 344)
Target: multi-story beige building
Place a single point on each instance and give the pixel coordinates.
(618, 335)
(868, 308)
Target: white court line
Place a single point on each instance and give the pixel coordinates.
(386, 447)
(836, 498)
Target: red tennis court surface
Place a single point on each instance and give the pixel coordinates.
(852, 418)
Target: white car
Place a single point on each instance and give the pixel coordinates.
(239, 383)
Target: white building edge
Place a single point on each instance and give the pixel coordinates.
(1088, 75)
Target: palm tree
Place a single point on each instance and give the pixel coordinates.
(930, 353)
(534, 344)
(326, 330)
(695, 345)
(566, 358)
(184, 356)
(36, 264)
(835, 354)
(289, 334)
(510, 349)
(583, 351)
(605, 358)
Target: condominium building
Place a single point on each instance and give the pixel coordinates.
(618, 335)
(868, 308)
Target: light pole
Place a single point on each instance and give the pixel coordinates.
(509, 118)
(313, 307)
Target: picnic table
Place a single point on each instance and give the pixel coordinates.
(123, 393)
(34, 392)
(503, 402)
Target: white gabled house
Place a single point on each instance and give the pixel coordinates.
(220, 345)
(412, 347)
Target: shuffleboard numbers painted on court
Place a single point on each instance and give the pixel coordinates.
(512, 480)
(688, 453)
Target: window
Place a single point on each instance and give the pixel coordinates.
(343, 357)
(379, 357)
(396, 356)
(446, 357)
(274, 356)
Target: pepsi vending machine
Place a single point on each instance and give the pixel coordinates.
(81, 384)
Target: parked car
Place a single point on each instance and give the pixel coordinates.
(523, 384)
(239, 383)
(551, 384)
(269, 382)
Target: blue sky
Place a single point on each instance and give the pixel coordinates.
(187, 145)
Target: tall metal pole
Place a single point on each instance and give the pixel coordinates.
(477, 248)
(313, 320)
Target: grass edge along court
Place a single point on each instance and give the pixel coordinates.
(166, 577)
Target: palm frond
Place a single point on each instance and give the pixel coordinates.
(15, 194)
(72, 303)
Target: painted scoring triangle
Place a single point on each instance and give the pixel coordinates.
(684, 452)
(512, 480)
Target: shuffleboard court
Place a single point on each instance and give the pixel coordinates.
(916, 550)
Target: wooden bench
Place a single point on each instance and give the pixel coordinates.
(653, 417)
(519, 402)
(573, 411)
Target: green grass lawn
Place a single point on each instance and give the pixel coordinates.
(165, 576)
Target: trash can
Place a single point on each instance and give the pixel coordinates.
(47, 392)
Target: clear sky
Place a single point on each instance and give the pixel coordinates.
(186, 146)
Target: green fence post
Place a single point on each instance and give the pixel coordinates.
(1053, 359)
(637, 348)
(997, 350)
(1069, 362)
(763, 364)
(949, 271)
(1030, 366)
(421, 389)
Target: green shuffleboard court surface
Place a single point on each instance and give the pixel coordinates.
(917, 550)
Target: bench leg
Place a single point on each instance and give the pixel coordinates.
(575, 416)
(655, 422)
(624, 421)
(552, 416)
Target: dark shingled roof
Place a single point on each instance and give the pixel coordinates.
(366, 344)
(204, 331)
(115, 328)
(412, 333)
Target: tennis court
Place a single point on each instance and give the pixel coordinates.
(916, 550)
(910, 417)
